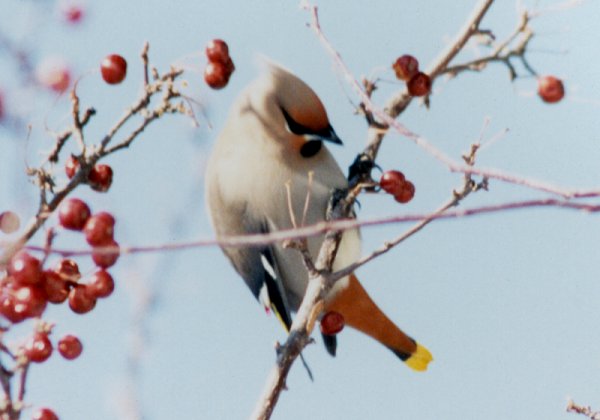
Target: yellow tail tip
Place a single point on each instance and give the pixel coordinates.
(419, 359)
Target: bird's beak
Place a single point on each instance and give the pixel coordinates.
(329, 135)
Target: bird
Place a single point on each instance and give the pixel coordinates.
(268, 157)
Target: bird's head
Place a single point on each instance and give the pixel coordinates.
(291, 111)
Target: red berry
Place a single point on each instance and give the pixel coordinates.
(70, 347)
(71, 166)
(30, 301)
(38, 348)
(406, 67)
(99, 229)
(217, 50)
(550, 89)
(56, 288)
(406, 193)
(8, 304)
(101, 284)
(68, 269)
(9, 222)
(80, 300)
(391, 181)
(25, 269)
(44, 414)
(73, 213)
(113, 69)
(100, 177)
(54, 74)
(104, 257)
(419, 84)
(72, 12)
(216, 74)
(332, 323)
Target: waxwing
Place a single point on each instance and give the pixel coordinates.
(274, 136)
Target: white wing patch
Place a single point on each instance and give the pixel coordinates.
(263, 295)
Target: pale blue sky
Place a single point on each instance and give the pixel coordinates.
(507, 303)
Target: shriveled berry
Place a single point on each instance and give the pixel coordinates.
(217, 50)
(406, 193)
(56, 288)
(101, 284)
(113, 69)
(70, 347)
(391, 181)
(419, 84)
(107, 255)
(71, 166)
(30, 301)
(38, 348)
(406, 67)
(73, 213)
(68, 269)
(99, 229)
(216, 74)
(25, 268)
(332, 323)
(44, 414)
(9, 222)
(100, 177)
(550, 89)
(81, 300)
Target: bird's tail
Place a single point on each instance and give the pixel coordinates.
(361, 313)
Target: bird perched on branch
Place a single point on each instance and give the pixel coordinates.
(268, 157)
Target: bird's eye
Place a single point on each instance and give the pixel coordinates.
(294, 126)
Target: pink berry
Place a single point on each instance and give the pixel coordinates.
(9, 222)
(54, 74)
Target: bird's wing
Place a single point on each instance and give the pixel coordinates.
(258, 267)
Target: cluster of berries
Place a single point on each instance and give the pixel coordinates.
(220, 65)
(99, 178)
(393, 182)
(28, 287)
(406, 68)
